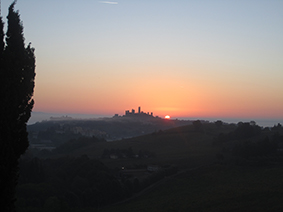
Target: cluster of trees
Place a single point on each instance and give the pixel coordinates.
(17, 73)
(259, 147)
(243, 131)
(66, 183)
(249, 140)
(248, 149)
(198, 125)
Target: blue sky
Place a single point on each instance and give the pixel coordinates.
(185, 58)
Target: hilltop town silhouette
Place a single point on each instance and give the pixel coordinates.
(139, 114)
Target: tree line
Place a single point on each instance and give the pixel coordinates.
(249, 141)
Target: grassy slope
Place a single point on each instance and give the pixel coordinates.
(214, 188)
(210, 188)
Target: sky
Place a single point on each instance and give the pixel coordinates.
(183, 58)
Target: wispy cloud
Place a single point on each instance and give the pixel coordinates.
(108, 2)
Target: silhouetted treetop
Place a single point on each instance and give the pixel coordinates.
(17, 73)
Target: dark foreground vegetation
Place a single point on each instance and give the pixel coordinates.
(198, 167)
(17, 74)
(65, 183)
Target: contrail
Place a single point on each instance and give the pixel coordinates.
(108, 2)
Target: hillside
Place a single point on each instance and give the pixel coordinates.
(57, 131)
(190, 162)
(218, 188)
(176, 146)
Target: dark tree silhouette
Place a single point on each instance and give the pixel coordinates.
(1, 41)
(218, 123)
(197, 125)
(17, 73)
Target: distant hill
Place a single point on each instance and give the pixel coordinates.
(108, 128)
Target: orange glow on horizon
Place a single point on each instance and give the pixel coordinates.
(161, 94)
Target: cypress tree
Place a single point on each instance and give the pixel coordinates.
(17, 73)
(1, 37)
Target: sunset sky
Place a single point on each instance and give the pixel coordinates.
(184, 58)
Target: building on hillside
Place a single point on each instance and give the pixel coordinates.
(133, 112)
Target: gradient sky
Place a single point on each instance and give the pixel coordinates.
(206, 58)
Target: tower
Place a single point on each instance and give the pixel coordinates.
(139, 109)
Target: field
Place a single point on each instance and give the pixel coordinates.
(214, 188)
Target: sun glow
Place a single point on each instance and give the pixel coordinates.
(167, 117)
